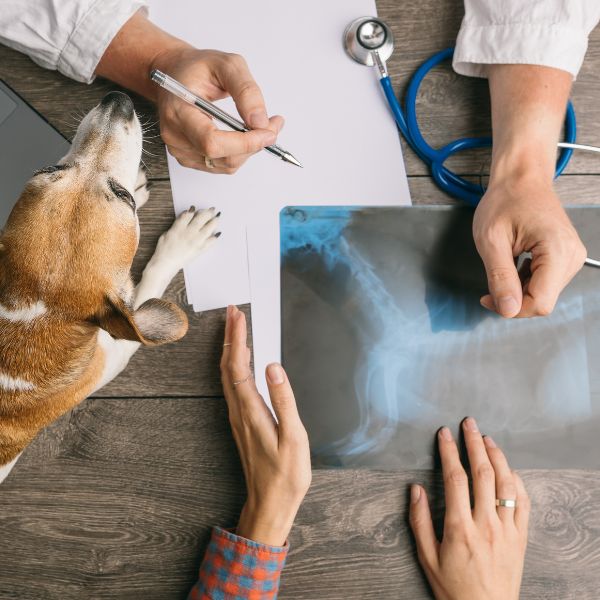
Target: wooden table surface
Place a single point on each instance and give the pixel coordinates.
(115, 500)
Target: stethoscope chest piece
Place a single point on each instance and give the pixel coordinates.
(365, 36)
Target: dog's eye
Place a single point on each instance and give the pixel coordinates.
(121, 193)
(51, 169)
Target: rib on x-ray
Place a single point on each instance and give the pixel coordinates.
(385, 341)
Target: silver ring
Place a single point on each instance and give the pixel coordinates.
(209, 163)
(236, 383)
(226, 344)
(506, 503)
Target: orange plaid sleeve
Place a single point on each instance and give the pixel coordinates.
(235, 568)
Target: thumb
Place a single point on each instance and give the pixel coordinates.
(422, 528)
(282, 399)
(506, 294)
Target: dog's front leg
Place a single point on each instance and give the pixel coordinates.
(192, 232)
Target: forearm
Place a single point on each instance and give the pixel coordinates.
(528, 109)
(134, 52)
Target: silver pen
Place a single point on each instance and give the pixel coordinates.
(173, 86)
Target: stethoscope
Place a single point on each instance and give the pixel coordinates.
(369, 41)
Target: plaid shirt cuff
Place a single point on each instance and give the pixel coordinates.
(235, 568)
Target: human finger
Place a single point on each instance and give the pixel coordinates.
(503, 280)
(231, 164)
(193, 160)
(505, 486)
(551, 271)
(216, 143)
(227, 387)
(238, 364)
(235, 78)
(523, 505)
(188, 154)
(284, 403)
(251, 407)
(422, 528)
(456, 483)
(484, 487)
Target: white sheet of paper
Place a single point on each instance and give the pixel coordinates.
(337, 125)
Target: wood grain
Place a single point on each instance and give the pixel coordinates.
(115, 500)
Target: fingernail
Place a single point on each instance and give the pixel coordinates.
(275, 374)
(507, 305)
(486, 302)
(212, 208)
(228, 313)
(192, 208)
(446, 434)
(218, 214)
(218, 234)
(471, 424)
(415, 493)
(489, 442)
(258, 120)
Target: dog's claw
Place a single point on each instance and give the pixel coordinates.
(192, 231)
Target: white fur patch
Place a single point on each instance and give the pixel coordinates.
(7, 468)
(15, 384)
(29, 313)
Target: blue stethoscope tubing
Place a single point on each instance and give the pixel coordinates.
(408, 125)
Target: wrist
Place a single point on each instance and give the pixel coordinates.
(524, 162)
(528, 108)
(270, 526)
(134, 52)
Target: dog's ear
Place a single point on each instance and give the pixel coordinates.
(155, 322)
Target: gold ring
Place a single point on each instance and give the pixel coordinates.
(506, 503)
(236, 383)
(209, 163)
(226, 344)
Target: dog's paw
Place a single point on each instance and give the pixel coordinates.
(142, 189)
(192, 232)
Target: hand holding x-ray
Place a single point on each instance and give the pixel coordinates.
(513, 219)
(520, 212)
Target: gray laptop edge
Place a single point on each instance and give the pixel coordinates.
(27, 142)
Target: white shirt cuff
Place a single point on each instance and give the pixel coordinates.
(557, 46)
(92, 35)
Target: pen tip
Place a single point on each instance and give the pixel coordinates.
(289, 158)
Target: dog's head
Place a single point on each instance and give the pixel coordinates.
(70, 240)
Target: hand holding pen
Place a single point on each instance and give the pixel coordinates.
(191, 135)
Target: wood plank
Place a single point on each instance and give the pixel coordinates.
(449, 106)
(115, 500)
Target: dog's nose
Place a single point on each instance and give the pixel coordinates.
(119, 104)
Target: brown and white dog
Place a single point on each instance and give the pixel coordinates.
(70, 317)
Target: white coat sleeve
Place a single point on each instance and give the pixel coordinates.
(552, 33)
(65, 35)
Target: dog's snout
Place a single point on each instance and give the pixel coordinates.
(119, 104)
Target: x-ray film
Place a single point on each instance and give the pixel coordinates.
(384, 341)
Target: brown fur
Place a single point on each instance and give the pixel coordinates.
(69, 243)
